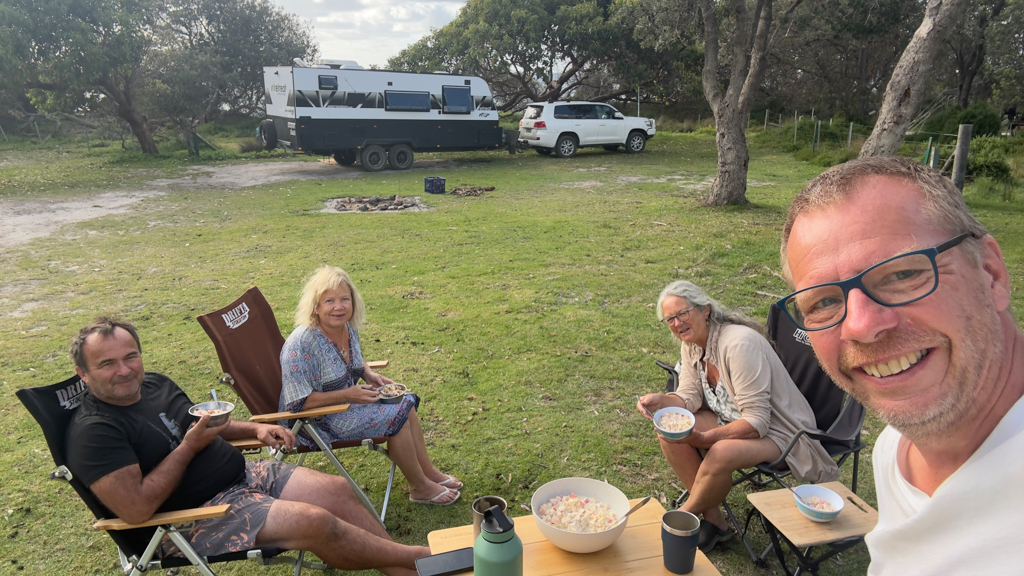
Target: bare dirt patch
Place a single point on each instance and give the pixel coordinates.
(26, 220)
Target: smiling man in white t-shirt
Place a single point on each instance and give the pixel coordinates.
(906, 300)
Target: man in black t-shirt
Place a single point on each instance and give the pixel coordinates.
(134, 444)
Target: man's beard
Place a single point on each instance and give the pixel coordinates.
(979, 347)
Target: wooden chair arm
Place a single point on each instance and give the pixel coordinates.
(247, 444)
(161, 518)
(377, 364)
(311, 413)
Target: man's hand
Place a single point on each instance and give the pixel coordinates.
(274, 436)
(200, 435)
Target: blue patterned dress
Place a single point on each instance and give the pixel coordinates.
(310, 362)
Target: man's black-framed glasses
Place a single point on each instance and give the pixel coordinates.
(900, 280)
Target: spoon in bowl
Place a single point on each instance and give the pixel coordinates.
(213, 392)
(638, 506)
(798, 497)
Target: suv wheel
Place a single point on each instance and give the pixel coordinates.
(373, 158)
(566, 146)
(636, 142)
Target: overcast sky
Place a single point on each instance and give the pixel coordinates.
(369, 31)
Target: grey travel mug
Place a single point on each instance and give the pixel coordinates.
(680, 532)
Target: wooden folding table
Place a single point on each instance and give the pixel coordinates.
(637, 551)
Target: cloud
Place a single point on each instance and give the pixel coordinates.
(370, 32)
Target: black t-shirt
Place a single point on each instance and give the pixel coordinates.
(104, 438)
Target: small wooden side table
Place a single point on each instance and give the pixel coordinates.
(784, 523)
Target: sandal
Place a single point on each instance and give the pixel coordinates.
(435, 499)
(711, 535)
(452, 482)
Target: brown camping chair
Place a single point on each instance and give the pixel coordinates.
(249, 343)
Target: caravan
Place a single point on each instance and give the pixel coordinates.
(378, 117)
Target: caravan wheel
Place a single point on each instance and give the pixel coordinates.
(267, 134)
(345, 157)
(373, 158)
(400, 157)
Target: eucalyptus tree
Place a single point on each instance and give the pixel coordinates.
(736, 42)
(539, 50)
(906, 88)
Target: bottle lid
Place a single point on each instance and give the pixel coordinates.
(495, 521)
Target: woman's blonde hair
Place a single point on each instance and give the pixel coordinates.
(324, 279)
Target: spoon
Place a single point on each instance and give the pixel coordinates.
(638, 506)
(798, 497)
(214, 393)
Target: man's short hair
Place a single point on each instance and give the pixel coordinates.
(104, 326)
(944, 204)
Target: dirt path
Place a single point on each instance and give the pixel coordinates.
(25, 220)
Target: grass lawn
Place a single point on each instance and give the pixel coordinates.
(525, 317)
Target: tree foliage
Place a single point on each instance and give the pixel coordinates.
(538, 50)
(139, 59)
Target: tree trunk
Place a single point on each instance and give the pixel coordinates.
(127, 112)
(747, 62)
(905, 91)
(730, 185)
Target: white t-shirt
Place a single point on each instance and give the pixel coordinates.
(972, 524)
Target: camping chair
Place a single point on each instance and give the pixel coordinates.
(137, 544)
(840, 416)
(249, 342)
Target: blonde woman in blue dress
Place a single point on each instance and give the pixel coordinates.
(321, 363)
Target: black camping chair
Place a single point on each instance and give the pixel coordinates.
(137, 545)
(836, 413)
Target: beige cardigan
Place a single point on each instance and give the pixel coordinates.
(763, 392)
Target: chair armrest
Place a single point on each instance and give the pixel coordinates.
(311, 413)
(377, 364)
(247, 444)
(161, 518)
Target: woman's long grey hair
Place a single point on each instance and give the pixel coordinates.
(699, 298)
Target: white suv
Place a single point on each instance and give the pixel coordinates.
(565, 127)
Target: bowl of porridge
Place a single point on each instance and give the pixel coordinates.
(673, 422)
(579, 515)
(819, 503)
(219, 412)
(392, 393)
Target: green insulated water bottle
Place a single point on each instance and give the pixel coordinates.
(497, 550)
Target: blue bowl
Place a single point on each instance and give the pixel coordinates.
(673, 435)
(821, 492)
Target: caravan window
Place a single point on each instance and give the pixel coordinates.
(328, 82)
(457, 99)
(395, 101)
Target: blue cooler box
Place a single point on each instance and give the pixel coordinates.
(433, 185)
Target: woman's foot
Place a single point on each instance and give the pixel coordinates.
(450, 481)
(444, 497)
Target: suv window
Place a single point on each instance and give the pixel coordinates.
(605, 112)
(565, 112)
(532, 112)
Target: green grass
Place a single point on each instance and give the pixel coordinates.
(524, 317)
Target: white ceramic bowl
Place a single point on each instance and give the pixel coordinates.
(586, 487)
(821, 492)
(674, 435)
(216, 420)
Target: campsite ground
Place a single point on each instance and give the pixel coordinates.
(524, 317)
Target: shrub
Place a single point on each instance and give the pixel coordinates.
(985, 120)
(249, 146)
(987, 157)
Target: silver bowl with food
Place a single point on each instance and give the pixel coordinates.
(392, 393)
(219, 412)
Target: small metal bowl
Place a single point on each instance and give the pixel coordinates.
(396, 398)
(216, 419)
